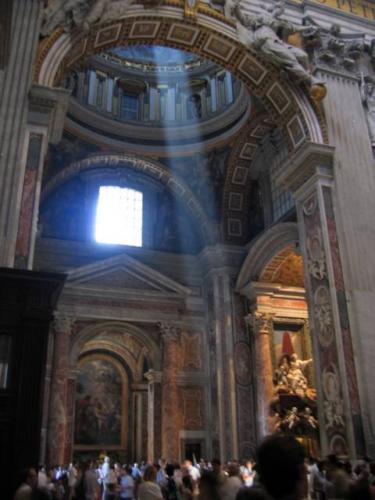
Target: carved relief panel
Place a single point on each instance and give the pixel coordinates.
(323, 322)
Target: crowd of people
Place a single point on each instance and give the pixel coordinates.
(281, 472)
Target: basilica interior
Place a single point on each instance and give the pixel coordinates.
(187, 239)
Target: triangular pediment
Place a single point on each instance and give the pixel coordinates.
(124, 273)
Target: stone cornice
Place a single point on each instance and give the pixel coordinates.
(309, 162)
(48, 106)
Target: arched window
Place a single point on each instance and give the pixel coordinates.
(119, 216)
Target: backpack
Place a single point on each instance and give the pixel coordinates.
(172, 492)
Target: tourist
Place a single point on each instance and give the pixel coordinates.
(148, 488)
(187, 488)
(281, 468)
(231, 485)
(72, 479)
(127, 484)
(209, 486)
(29, 482)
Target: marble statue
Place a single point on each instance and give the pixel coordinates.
(368, 100)
(292, 418)
(280, 378)
(309, 418)
(296, 378)
(62, 13)
(289, 377)
(70, 14)
(261, 34)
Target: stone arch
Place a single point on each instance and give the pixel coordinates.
(112, 348)
(211, 36)
(153, 169)
(91, 331)
(277, 242)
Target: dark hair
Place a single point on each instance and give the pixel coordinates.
(208, 486)
(280, 460)
(149, 473)
(245, 493)
(187, 482)
(169, 470)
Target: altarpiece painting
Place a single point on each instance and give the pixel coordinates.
(100, 404)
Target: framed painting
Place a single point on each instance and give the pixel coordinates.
(101, 404)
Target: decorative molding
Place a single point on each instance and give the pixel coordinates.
(152, 279)
(309, 161)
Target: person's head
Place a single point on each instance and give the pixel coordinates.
(208, 486)
(29, 476)
(169, 470)
(216, 465)
(249, 464)
(251, 494)
(281, 466)
(233, 469)
(187, 464)
(149, 473)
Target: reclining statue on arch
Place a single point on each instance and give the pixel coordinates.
(260, 33)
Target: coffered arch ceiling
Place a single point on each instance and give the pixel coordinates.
(211, 37)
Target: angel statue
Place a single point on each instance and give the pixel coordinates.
(70, 14)
(260, 33)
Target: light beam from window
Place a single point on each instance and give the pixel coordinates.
(119, 216)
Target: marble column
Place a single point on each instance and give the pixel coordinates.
(309, 176)
(223, 407)
(15, 86)
(261, 327)
(171, 368)
(47, 395)
(70, 415)
(154, 416)
(61, 413)
(354, 204)
(47, 109)
(138, 425)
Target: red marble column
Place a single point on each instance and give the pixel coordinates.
(59, 434)
(172, 363)
(29, 203)
(261, 325)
